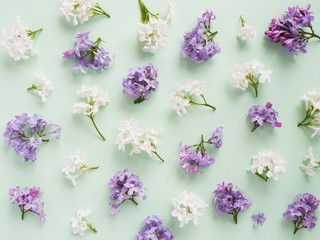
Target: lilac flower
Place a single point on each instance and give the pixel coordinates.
(290, 31)
(191, 161)
(302, 211)
(25, 134)
(88, 54)
(258, 219)
(28, 201)
(153, 229)
(198, 44)
(125, 186)
(230, 201)
(261, 115)
(141, 82)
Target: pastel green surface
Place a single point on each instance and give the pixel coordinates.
(293, 76)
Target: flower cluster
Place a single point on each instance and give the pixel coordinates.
(153, 30)
(291, 30)
(199, 45)
(267, 165)
(88, 54)
(28, 200)
(95, 100)
(261, 115)
(312, 118)
(81, 10)
(19, 43)
(41, 86)
(187, 207)
(191, 161)
(230, 201)
(141, 140)
(312, 165)
(153, 229)
(125, 186)
(250, 74)
(75, 166)
(182, 96)
(141, 82)
(258, 219)
(80, 224)
(25, 134)
(301, 211)
(247, 32)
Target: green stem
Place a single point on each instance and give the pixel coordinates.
(94, 124)
(242, 21)
(92, 168)
(305, 119)
(139, 100)
(255, 126)
(158, 156)
(91, 228)
(264, 178)
(99, 11)
(32, 34)
(133, 200)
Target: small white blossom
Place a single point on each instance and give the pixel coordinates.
(188, 207)
(41, 86)
(247, 32)
(312, 163)
(80, 224)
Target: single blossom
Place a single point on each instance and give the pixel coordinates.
(247, 32)
(80, 224)
(41, 86)
(311, 163)
(258, 219)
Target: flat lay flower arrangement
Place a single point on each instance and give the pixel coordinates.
(141, 129)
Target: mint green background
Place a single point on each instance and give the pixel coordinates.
(293, 76)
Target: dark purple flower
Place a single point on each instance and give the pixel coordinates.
(153, 229)
(258, 219)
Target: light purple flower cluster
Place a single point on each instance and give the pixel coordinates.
(191, 161)
(125, 186)
(258, 219)
(153, 229)
(198, 44)
(290, 31)
(301, 211)
(88, 54)
(261, 115)
(141, 82)
(28, 201)
(25, 134)
(230, 201)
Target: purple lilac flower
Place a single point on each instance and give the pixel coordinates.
(191, 161)
(25, 134)
(28, 201)
(88, 54)
(153, 229)
(198, 44)
(302, 211)
(230, 201)
(141, 82)
(258, 219)
(125, 186)
(290, 31)
(261, 115)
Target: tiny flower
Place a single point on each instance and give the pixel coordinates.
(19, 43)
(188, 207)
(182, 96)
(258, 219)
(28, 200)
(199, 45)
(95, 99)
(80, 224)
(41, 86)
(312, 163)
(81, 10)
(247, 32)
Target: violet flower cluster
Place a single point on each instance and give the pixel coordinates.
(153, 229)
(262, 115)
(125, 186)
(25, 134)
(199, 45)
(88, 54)
(141, 82)
(28, 201)
(291, 30)
(301, 211)
(230, 201)
(191, 161)
(258, 219)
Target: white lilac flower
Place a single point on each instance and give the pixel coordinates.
(188, 207)
(75, 166)
(19, 43)
(182, 96)
(141, 140)
(81, 10)
(41, 86)
(250, 74)
(267, 165)
(311, 163)
(247, 32)
(80, 224)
